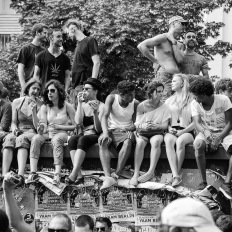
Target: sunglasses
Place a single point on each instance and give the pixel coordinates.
(58, 230)
(86, 88)
(100, 229)
(50, 90)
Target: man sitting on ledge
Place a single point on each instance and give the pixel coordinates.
(212, 115)
(118, 126)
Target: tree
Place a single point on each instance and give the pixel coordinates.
(120, 25)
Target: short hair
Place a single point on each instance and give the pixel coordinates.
(4, 93)
(125, 87)
(66, 217)
(202, 86)
(104, 219)
(74, 22)
(223, 84)
(61, 94)
(189, 32)
(4, 221)
(51, 30)
(151, 87)
(38, 27)
(84, 220)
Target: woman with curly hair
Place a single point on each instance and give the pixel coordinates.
(23, 126)
(180, 130)
(55, 115)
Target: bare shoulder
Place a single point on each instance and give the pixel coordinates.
(110, 99)
(17, 102)
(69, 106)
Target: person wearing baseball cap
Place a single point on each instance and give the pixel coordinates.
(168, 53)
(187, 215)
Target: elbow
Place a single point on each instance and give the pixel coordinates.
(139, 47)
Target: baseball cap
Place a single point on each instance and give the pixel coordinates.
(177, 19)
(188, 212)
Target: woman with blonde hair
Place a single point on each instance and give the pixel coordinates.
(180, 131)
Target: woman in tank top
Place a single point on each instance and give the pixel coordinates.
(23, 126)
(56, 114)
(88, 118)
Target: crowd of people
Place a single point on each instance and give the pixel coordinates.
(181, 108)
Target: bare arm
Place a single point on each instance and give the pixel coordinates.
(14, 123)
(21, 74)
(12, 209)
(132, 128)
(43, 114)
(228, 127)
(37, 73)
(205, 72)
(178, 52)
(67, 79)
(147, 44)
(96, 65)
(97, 115)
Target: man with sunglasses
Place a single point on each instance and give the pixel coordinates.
(193, 63)
(168, 54)
(60, 223)
(103, 224)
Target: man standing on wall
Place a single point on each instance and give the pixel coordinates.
(86, 61)
(167, 53)
(28, 53)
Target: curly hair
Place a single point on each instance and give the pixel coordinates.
(125, 87)
(223, 84)
(61, 94)
(75, 22)
(202, 86)
(38, 28)
(151, 87)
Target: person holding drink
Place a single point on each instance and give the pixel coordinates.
(88, 119)
(54, 125)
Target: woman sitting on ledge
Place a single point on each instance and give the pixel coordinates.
(55, 116)
(180, 132)
(151, 122)
(88, 117)
(24, 124)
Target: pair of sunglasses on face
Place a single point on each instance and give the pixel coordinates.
(61, 230)
(50, 90)
(99, 229)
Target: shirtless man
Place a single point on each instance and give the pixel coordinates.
(167, 53)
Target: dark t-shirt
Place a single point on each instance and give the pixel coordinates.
(52, 67)
(194, 64)
(27, 57)
(82, 63)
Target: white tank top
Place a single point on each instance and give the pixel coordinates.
(120, 117)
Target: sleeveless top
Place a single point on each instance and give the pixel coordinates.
(24, 121)
(61, 119)
(120, 117)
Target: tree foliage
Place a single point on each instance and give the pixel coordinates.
(119, 26)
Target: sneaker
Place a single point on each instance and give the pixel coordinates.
(108, 182)
(225, 189)
(56, 179)
(114, 175)
(202, 185)
(21, 182)
(33, 177)
(176, 181)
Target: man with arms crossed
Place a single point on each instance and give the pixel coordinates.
(28, 53)
(118, 126)
(53, 63)
(167, 53)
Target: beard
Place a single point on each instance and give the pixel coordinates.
(191, 44)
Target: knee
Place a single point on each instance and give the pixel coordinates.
(127, 143)
(83, 143)
(199, 146)
(169, 141)
(156, 142)
(37, 139)
(140, 143)
(180, 143)
(72, 143)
